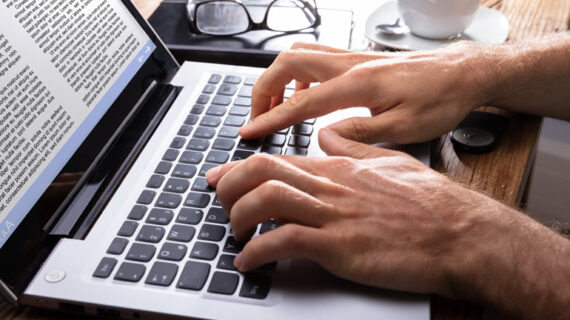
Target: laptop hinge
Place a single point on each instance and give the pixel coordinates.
(83, 205)
(8, 294)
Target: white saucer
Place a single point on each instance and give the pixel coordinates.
(489, 26)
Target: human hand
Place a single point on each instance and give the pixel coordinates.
(412, 96)
(379, 218)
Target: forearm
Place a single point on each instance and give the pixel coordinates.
(532, 76)
(514, 265)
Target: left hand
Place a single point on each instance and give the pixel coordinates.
(371, 218)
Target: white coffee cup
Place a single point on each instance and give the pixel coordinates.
(438, 19)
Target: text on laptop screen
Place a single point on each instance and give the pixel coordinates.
(62, 64)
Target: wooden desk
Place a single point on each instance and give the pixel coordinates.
(501, 174)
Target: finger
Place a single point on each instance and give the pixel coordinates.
(277, 99)
(340, 92)
(394, 125)
(318, 47)
(299, 85)
(304, 66)
(279, 201)
(289, 241)
(335, 145)
(213, 175)
(260, 168)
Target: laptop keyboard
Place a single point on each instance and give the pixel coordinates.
(177, 234)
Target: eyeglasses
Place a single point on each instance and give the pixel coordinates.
(231, 17)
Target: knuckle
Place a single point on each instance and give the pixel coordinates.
(360, 130)
(259, 163)
(272, 190)
(297, 99)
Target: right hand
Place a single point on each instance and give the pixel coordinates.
(412, 96)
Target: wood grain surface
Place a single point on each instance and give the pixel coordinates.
(501, 174)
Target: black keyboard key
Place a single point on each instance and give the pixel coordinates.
(223, 144)
(160, 216)
(241, 155)
(271, 149)
(197, 109)
(105, 267)
(255, 286)
(239, 111)
(228, 132)
(191, 119)
(194, 275)
(151, 234)
(215, 110)
(232, 79)
(190, 216)
(200, 184)
(198, 144)
(177, 185)
(205, 167)
(184, 171)
(303, 129)
(215, 78)
(205, 133)
(208, 89)
(131, 272)
(172, 251)
(222, 100)
(250, 144)
(227, 89)
(232, 246)
(243, 101)
(217, 215)
(184, 130)
(141, 252)
(234, 121)
(296, 151)
(275, 140)
(155, 181)
(209, 121)
(203, 99)
(163, 167)
(178, 142)
(212, 232)
(245, 91)
(250, 81)
(191, 157)
(161, 274)
(137, 212)
(199, 200)
(216, 202)
(168, 200)
(223, 283)
(283, 131)
(170, 155)
(128, 228)
(181, 233)
(117, 246)
(299, 141)
(218, 157)
(146, 197)
(204, 251)
(226, 262)
(268, 226)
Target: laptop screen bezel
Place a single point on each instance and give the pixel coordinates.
(30, 243)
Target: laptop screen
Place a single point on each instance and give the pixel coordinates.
(62, 66)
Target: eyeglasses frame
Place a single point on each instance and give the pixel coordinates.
(252, 24)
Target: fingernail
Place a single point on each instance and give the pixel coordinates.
(238, 261)
(213, 173)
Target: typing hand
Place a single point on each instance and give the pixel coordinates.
(370, 218)
(412, 96)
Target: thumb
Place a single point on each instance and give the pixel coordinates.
(335, 145)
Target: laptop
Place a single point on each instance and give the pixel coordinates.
(104, 209)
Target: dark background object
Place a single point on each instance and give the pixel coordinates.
(479, 132)
(254, 48)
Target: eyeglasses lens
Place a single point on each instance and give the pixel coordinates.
(221, 18)
(290, 15)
